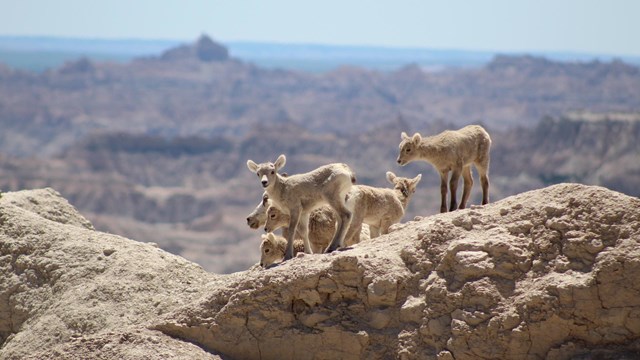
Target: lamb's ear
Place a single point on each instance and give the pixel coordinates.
(279, 164)
(265, 198)
(416, 179)
(404, 136)
(271, 237)
(252, 165)
(416, 138)
(391, 177)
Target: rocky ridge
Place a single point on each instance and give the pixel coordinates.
(551, 273)
(70, 292)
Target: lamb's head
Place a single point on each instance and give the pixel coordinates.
(408, 148)
(404, 185)
(271, 250)
(258, 216)
(267, 172)
(275, 219)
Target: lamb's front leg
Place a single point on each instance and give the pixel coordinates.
(355, 228)
(293, 224)
(453, 187)
(384, 226)
(342, 225)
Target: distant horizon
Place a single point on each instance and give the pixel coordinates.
(43, 52)
(317, 44)
(175, 42)
(504, 26)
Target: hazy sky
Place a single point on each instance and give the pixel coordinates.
(589, 26)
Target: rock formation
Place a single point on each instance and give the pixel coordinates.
(552, 273)
(590, 148)
(204, 49)
(70, 292)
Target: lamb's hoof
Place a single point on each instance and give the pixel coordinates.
(345, 248)
(330, 250)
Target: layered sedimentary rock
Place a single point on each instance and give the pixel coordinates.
(550, 273)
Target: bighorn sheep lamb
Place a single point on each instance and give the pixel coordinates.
(300, 194)
(379, 208)
(273, 247)
(455, 151)
(258, 216)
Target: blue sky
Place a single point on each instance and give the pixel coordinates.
(587, 26)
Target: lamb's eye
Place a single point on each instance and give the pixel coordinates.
(266, 251)
(408, 150)
(273, 172)
(272, 216)
(258, 174)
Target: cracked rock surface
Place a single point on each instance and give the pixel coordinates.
(548, 274)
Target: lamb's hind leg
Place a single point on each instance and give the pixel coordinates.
(293, 225)
(343, 223)
(484, 180)
(468, 184)
(374, 231)
(453, 187)
(443, 191)
(483, 170)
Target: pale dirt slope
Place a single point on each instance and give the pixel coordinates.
(552, 273)
(69, 292)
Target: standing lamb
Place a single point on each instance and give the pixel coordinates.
(300, 194)
(379, 208)
(455, 151)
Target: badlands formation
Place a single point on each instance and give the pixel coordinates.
(548, 274)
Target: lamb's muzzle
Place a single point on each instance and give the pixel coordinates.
(252, 224)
